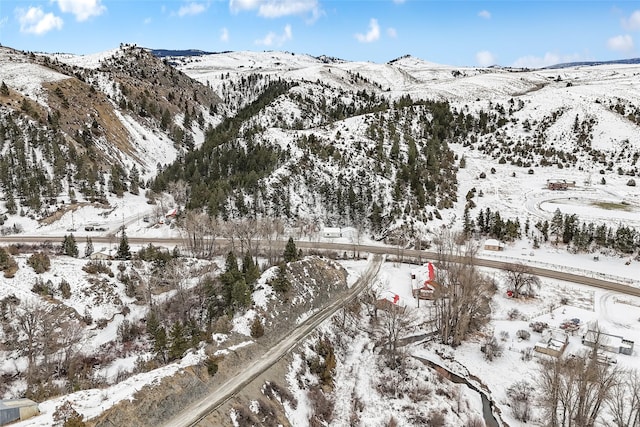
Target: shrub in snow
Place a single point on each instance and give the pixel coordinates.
(513, 314)
(521, 398)
(257, 330)
(67, 416)
(523, 334)
(40, 262)
(212, 365)
(65, 289)
(538, 326)
(7, 264)
(631, 183)
(41, 288)
(491, 348)
(436, 419)
(96, 267)
(527, 354)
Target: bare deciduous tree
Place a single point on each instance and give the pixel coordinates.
(521, 398)
(247, 231)
(271, 230)
(462, 294)
(31, 320)
(575, 389)
(624, 400)
(199, 232)
(521, 281)
(393, 322)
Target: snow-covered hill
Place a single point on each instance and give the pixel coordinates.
(285, 144)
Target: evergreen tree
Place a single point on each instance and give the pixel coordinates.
(116, 185)
(467, 223)
(250, 270)
(281, 284)
(160, 343)
(290, 252)
(88, 248)
(124, 253)
(229, 279)
(4, 90)
(240, 295)
(257, 329)
(231, 263)
(178, 342)
(69, 246)
(557, 224)
(134, 180)
(153, 324)
(12, 207)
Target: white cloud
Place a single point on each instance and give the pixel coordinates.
(82, 9)
(391, 32)
(621, 43)
(224, 35)
(399, 1)
(191, 9)
(147, 21)
(484, 58)
(633, 22)
(35, 21)
(372, 35)
(273, 39)
(278, 8)
(3, 22)
(484, 14)
(549, 58)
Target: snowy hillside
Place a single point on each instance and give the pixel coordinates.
(259, 146)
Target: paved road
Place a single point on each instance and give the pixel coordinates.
(195, 413)
(609, 285)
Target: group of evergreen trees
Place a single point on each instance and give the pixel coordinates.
(568, 229)
(563, 228)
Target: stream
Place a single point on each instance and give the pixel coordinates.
(487, 404)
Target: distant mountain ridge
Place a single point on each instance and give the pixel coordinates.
(630, 61)
(162, 53)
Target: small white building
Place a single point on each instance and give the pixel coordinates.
(493, 245)
(331, 232)
(611, 343)
(100, 256)
(553, 342)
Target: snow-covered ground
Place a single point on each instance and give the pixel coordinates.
(511, 190)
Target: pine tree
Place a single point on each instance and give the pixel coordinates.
(124, 253)
(4, 90)
(12, 207)
(229, 278)
(290, 252)
(178, 341)
(160, 343)
(69, 246)
(88, 248)
(281, 284)
(134, 180)
(250, 270)
(240, 295)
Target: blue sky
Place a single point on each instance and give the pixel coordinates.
(456, 32)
